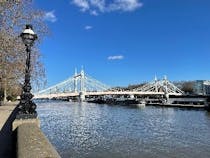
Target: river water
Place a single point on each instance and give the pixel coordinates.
(85, 130)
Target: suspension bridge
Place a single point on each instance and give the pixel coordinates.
(82, 85)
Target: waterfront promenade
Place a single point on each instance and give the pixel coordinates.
(81, 129)
(22, 138)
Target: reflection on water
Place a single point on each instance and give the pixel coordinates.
(102, 131)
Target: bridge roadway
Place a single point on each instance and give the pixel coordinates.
(60, 95)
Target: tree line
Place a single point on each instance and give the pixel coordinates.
(14, 15)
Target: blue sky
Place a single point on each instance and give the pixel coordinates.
(121, 42)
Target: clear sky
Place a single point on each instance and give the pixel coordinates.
(121, 42)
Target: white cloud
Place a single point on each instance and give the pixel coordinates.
(88, 27)
(94, 7)
(83, 4)
(50, 16)
(94, 12)
(99, 4)
(116, 57)
(125, 5)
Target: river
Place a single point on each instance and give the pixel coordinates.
(85, 130)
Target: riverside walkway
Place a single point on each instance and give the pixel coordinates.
(7, 116)
(22, 138)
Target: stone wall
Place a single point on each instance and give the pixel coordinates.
(32, 143)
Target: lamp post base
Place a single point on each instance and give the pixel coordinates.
(27, 108)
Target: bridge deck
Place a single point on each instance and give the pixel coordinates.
(100, 93)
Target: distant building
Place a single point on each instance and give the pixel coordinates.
(201, 87)
(198, 87)
(207, 87)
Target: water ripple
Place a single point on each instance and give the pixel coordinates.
(91, 130)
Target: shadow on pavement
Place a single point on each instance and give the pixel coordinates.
(7, 138)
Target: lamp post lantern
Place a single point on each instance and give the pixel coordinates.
(27, 108)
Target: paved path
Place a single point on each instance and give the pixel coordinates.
(5, 112)
(7, 143)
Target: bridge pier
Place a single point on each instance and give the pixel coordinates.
(132, 96)
(81, 96)
(167, 97)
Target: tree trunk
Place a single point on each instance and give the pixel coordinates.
(5, 92)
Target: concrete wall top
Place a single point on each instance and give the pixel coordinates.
(32, 143)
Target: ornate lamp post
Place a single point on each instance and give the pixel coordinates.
(27, 108)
